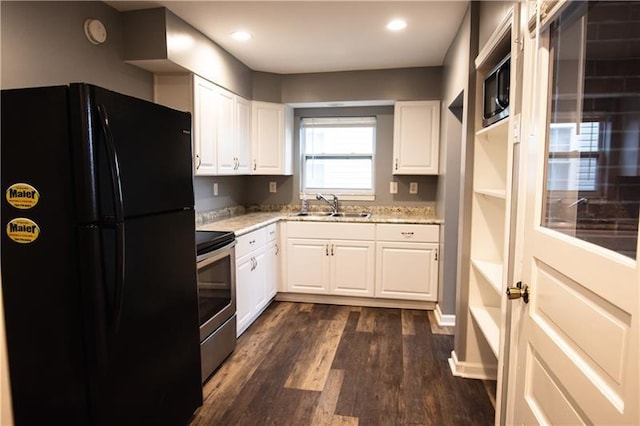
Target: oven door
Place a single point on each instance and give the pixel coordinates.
(216, 288)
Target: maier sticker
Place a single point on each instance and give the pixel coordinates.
(22, 196)
(23, 230)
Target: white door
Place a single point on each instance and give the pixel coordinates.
(577, 339)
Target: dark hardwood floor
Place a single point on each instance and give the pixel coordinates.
(311, 364)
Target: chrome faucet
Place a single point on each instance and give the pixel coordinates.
(333, 203)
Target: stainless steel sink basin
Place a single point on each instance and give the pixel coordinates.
(364, 215)
(313, 214)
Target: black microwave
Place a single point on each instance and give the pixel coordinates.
(496, 93)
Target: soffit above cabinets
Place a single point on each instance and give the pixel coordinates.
(322, 36)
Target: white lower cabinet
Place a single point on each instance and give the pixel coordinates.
(256, 275)
(407, 262)
(342, 264)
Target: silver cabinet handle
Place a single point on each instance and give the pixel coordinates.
(407, 234)
(199, 161)
(277, 249)
(254, 166)
(331, 249)
(326, 250)
(396, 164)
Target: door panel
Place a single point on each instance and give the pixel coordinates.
(352, 267)
(307, 265)
(577, 338)
(154, 353)
(149, 144)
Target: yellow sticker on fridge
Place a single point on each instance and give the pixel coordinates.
(23, 230)
(22, 196)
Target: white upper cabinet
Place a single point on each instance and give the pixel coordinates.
(243, 135)
(233, 129)
(272, 139)
(204, 127)
(416, 137)
(221, 122)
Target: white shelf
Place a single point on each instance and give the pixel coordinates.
(496, 193)
(498, 130)
(488, 320)
(491, 271)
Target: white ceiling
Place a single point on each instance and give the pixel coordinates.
(322, 36)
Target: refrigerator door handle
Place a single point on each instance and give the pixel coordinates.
(114, 167)
(116, 184)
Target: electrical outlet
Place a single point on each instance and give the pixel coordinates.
(393, 187)
(413, 188)
(273, 187)
(215, 189)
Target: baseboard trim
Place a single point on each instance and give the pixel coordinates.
(444, 320)
(355, 301)
(471, 370)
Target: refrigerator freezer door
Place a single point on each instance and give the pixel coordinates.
(150, 373)
(129, 155)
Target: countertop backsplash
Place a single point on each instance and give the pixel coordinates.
(208, 216)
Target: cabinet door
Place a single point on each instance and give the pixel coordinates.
(204, 125)
(267, 138)
(244, 295)
(259, 281)
(416, 137)
(226, 132)
(407, 271)
(273, 268)
(308, 266)
(243, 136)
(352, 267)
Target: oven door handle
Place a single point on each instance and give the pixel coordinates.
(215, 255)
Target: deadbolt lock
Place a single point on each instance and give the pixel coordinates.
(519, 291)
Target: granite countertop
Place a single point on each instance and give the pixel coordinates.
(245, 223)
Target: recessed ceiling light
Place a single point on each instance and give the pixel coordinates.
(397, 25)
(241, 35)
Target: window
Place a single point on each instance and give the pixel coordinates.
(573, 156)
(338, 156)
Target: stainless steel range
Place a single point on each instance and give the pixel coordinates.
(216, 297)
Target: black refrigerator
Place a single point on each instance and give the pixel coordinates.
(98, 258)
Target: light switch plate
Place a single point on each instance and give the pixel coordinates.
(273, 187)
(393, 187)
(413, 188)
(215, 189)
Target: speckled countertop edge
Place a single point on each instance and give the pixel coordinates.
(244, 223)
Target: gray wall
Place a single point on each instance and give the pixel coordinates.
(43, 43)
(289, 187)
(401, 84)
(150, 33)
(491, 14)
(457, 124)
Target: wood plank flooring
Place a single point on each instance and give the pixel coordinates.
(312, 364)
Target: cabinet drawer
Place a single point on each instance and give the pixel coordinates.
(327, 231)
(251, 241)
(271, 232)
(413, 233)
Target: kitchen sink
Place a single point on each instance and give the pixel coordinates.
(313, 214)
(364, 215)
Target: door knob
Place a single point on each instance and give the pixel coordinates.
(519, 291)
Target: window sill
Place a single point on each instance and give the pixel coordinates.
(342, 197)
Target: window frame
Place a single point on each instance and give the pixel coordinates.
(350, 194)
